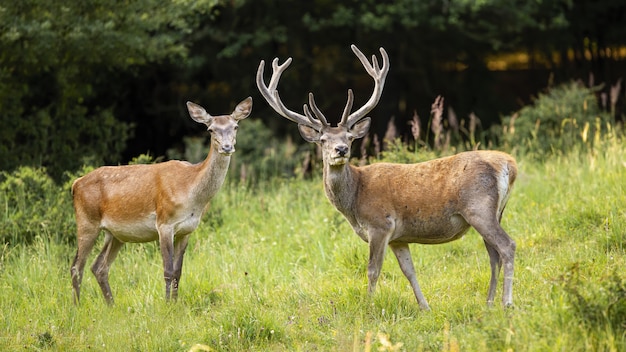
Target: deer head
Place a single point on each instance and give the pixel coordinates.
(223, 128)
(313, 125)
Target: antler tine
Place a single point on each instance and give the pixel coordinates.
(279, 69)
(270, 93)
(346, 110)
(379, 74)
(320, 116)
(308, 114)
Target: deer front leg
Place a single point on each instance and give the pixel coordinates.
(403, 254)
(179, 251)
(166, 243)
(378, 243)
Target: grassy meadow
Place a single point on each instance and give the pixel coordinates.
(274, 267)
(277, 268)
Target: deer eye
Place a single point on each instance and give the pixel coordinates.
(236, 127)
(210, 130)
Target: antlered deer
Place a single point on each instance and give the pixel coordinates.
(396, 204)
(144, 203)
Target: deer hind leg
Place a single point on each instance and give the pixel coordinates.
(403, 254)
(179, 251)
(497, 242)
(101, 266)
(494, 261)
(86, 238)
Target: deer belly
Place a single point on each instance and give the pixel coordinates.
(138, 230)
(432, 231)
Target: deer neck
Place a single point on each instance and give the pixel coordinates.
(340, 184)
(212, 174)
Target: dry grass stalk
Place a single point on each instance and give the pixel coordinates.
(415, 126)
(436, 126)
(364, 144)
(615, 89)
(391, 133)
(376, 143)
(452, 120)
(473, 122)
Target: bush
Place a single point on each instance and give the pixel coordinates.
(61, 142)
(34, 205)
(566, 118)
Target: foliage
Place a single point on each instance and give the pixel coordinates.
(567, 118)
(101, 81)
(33, 205)
(473, 21)
(143, 159)
(59, 65)
(317, 35)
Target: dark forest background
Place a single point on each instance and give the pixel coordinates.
(102, 81)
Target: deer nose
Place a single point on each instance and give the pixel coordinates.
(228, 148)
(342, 150)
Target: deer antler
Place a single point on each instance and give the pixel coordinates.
(379, 74)
(313, 117)
(270, 93)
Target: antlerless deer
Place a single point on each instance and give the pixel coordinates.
(396, 204)
(144, 203)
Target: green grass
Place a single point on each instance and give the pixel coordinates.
(277, 268)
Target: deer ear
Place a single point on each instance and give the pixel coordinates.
(359, 130)
(243, 109)
(198, 113)
(309, 134)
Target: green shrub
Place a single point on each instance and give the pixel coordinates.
(566, 118)
(33, 205)
(62, 140)
(144, 159)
